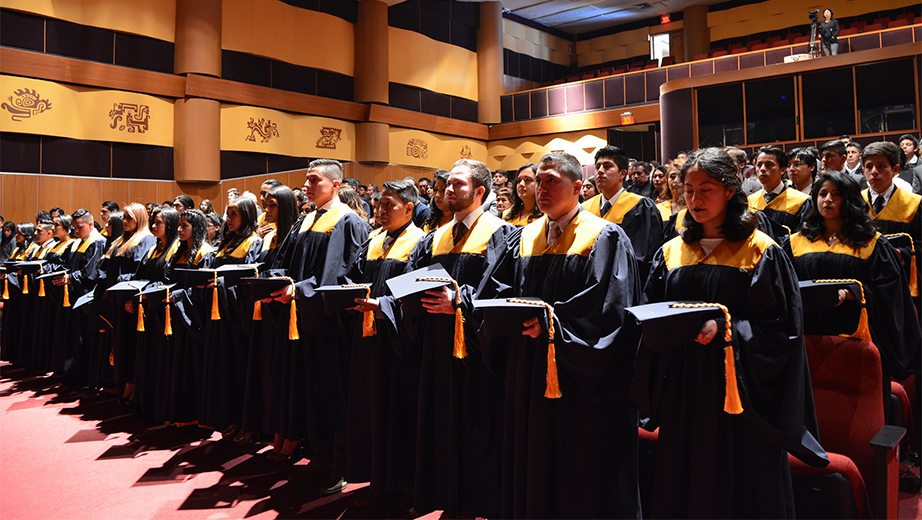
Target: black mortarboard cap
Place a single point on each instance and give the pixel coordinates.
(52, 275)
(30, 267)
(233, 273)
(124, 291)
(341, 297)
(83, 300)
(193, 277)
(666, 327)
(156, 290)
(821, 316)
(504, 316)
(410, 290)
(262, 288)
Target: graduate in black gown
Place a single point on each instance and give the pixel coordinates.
(14, 301)
(36, 306)
(637, 215)
(150, 311)
(124, 259)
(180, 374)
(72, 331)
(784, 205)
(460, 404)
(439, 214)
(714, 460)
(313, 369)
(281, 207)
(570, 453)
(839, 241)
(50, 304)
(382, 387)
(227, 338)
(895, 211)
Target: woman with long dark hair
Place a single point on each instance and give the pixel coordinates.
(282, 210)
(214, 225)
(524, 208)
(705, 451)
(838, 240)
(588, 190)
(661, 185)
(227, 339)
(7, 240)
(439, 214)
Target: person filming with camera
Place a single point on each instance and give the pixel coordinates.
(829, 34)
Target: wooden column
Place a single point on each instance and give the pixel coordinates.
(696, 33)
(198, 37)
(490, 62)
(197, 140)
(372, 142)
(371, 53)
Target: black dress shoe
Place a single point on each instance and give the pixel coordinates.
(334, 484)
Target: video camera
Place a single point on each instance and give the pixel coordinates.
(815, 16)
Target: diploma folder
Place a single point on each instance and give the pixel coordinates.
(409, 289)
(504, 316)
(340, 297)
(666, 327)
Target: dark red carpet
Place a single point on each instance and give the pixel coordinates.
(67, 454)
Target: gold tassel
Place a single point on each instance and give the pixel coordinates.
(167, 320)
(112, 357)
(293, 314)
(41, 288)
(6, 288)
(140, 316)
(25, 284)
(913, 278)
(368, 317)
(215, 313)
(733, 404)
(258, 311)
(460, 348)
(66, 294)
(862, 331)
(552, 390)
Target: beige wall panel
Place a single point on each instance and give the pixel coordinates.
(590, 58)
(583, 46)
(510, 154)
(143, 191)
(414, 59)
(166, 191)
(291, 34)
(198, 191)
(603, 42)
(85, 194)
(509, 41)
(117, 190)
(514, 29)
(53, 192)
(612, 54)
(561, 58)
(19, 198)
(428, 150)
(153, 18)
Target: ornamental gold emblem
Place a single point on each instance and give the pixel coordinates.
(25, 103)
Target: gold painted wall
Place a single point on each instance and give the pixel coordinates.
(273, 29)
(414, 59)
(250, 129)
(510, 154)
(40, 107)
(427, 150)
(620, 46)
(152, 18)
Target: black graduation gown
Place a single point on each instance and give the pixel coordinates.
(575, 456)
(72, 331)
(640, 220)
(35, 313)
(49, 306)
(153, 345)
(382, 387)
(773, 229)
(15, 304)
(789, 208)
(903, 214)
(711, 464)
(892, 321)
(312, 372)
(227, 343)
(459, 417)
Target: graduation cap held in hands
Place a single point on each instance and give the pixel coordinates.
(823, 317)
(127, 290)
(262, 288)
(668, 325)
(411, 287)
(234, 273)
(340, 297)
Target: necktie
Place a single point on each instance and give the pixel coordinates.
(605, 208)
(769, 197)
(388, 242)
(879, 203)
(553, 233)
(458, 231)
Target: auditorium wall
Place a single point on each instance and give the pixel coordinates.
(527, 47)
(151, 18)
(510, 154)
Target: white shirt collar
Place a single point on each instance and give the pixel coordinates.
(778, 189)
(887, 194)
(613, 197)
(330, 203)
(565, 219)
(471, 217)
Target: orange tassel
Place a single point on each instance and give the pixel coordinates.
(41, 288)
(293, 322)
(913, 278)
(66, 295)
(552, 391)
(460, 348)
(6, 288)
(25, 284)
(140, 316)
(368, 324)
(167, 320)
(215, 313)
(258, 311)
(112, 357)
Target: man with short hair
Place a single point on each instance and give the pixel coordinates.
(320, 249)
(460, 408)
(370, 190)
(594, 278)
(54, 212)
(636, 215)
(748, 177)
(910, 146)
(104, 211)
(640, 180)
(423, 186)
(354, 184)
(72, 335)
(833, 155)
(852, 164)
(788, 207)
(383, 388)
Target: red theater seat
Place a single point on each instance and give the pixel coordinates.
(844, 32)
(752, 43)
(700, 57)
(780, 43)
(760, 46)
(906, 16)
(806, 39)
(717, 54)
(897, 23)
(739, 50)
(872, 27)
(668, 60)
(862, 450)
(883, 20)
(858, 25)
(772, 39)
